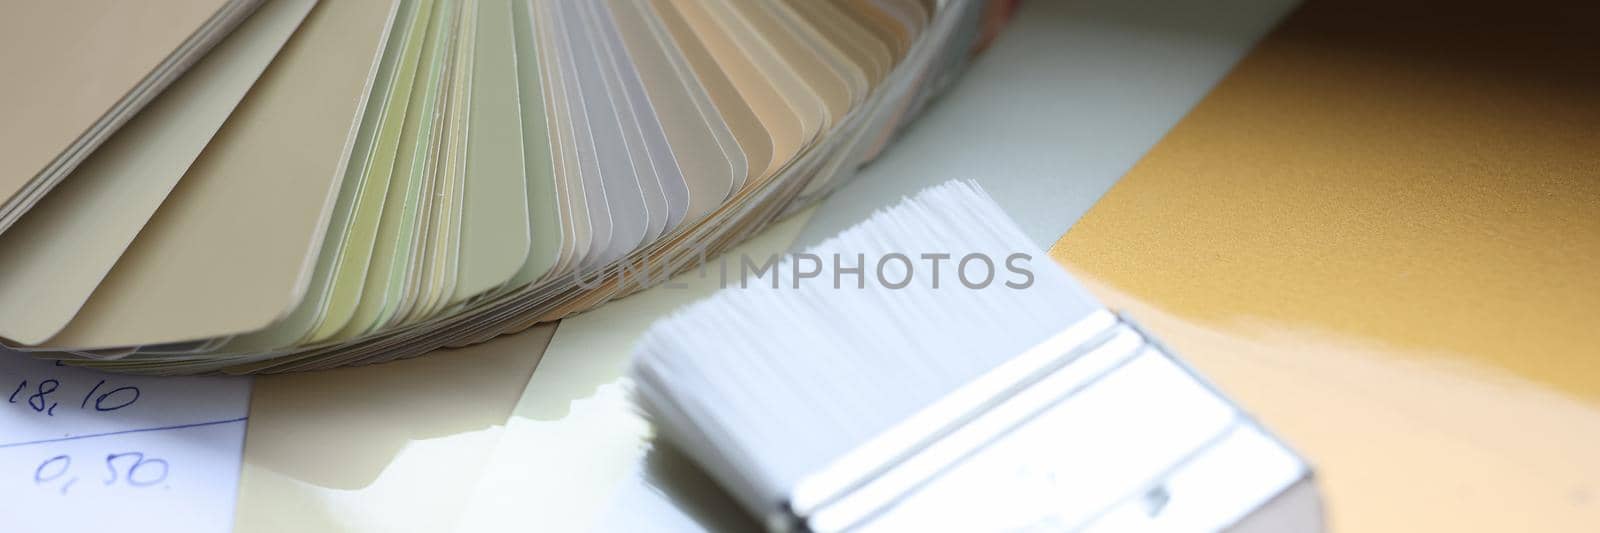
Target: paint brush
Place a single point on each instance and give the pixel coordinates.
(929, 369)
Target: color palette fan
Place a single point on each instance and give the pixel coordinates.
(283, 185)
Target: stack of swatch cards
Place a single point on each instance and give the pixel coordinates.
(269, 186)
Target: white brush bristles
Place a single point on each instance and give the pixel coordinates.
(764, 385)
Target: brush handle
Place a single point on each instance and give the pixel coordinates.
(1124, 438)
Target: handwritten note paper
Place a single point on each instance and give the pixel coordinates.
(82, 450)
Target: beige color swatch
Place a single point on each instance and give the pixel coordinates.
(1381, 233)
(893, 31)
(101, 51)
(244, 223)
(754, 136)
(835, 54)
(913, 15)
(706, 167)
(348, 222)
(806, 60)
(874, 57)
(63, 247)
(756, 70)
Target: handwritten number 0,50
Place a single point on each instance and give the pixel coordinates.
(141, 472)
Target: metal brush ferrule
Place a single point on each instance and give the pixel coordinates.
(1096, 429)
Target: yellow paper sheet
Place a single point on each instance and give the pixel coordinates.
(1380, 234)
